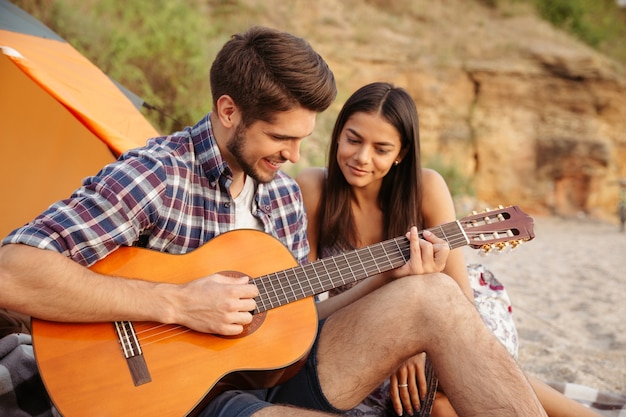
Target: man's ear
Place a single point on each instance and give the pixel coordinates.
(227, 111)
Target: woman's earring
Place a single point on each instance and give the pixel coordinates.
(396, 162)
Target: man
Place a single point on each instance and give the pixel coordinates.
(180, 191)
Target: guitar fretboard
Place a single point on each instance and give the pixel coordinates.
(279, 288)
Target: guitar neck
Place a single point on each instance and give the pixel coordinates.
(293, 284)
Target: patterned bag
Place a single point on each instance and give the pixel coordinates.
(494, 306)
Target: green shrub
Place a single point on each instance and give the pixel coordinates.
(599, 23)
(460, 185)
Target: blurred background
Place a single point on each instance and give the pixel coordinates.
(520, 101)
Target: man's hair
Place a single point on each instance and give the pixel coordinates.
(267, 71)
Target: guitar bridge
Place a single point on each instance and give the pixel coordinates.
(132, 351)
(138, 370)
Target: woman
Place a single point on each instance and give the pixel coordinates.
(375, 189)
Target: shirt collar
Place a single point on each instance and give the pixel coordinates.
(215, 166)
(207, 150)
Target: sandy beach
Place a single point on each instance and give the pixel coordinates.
(568, 290)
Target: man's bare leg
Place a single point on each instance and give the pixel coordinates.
(363, 343)
(285, 411)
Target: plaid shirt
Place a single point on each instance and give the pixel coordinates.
(171, 195)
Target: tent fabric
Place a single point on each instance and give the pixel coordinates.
(61, 118)
(14, 19)
(75, 82)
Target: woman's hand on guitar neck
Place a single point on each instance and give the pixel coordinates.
(427, 255)
(215, 304)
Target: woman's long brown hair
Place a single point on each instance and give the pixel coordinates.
(400, 195)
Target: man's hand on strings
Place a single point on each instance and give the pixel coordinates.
(216, 304)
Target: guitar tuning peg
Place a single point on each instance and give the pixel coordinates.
(486, 249)
(502, 247)
(515, 243)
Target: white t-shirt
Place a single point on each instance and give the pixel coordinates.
(244, 206)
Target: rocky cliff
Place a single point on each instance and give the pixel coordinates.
(523, 112)
(532, 116)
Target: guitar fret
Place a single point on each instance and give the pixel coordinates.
(307, 287)
(357, 254)
(274, 299)
(400, 249)
(389, 263)
(299, 281)
(444, 235)
(308, 271)
(317, 276)
(328, 273)
(354, 271)
(261, 293)
(291, 297)
(325, 274)
(372, 260)
(451, 232)
(334, 260)
(277, 286)
(342, 262)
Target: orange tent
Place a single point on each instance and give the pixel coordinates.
(61, 118)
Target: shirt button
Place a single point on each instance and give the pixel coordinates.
(227, 205)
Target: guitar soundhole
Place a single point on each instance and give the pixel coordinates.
(257, 319)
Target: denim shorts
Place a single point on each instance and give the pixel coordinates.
(303, 390)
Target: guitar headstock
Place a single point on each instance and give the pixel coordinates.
(506, 227)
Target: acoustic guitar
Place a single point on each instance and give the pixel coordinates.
(147, 369)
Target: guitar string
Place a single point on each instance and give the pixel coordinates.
(128, 338)
(454, 241)
(156, 330)
(275, 299)
(374, 251)
(123, 340)
(175, 328)
(148, 336)
(275, 296)
(342, 270)
(321, 284)
(356, 272)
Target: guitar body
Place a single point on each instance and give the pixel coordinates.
(177, 371)
(86, 373)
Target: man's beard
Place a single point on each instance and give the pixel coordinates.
(236, 147)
